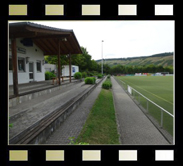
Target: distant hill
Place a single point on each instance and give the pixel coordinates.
(163, 59)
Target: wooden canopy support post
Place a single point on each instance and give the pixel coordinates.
(15, 70)
(70, 67)
(59, 62)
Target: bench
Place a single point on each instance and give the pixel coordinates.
(56, 79)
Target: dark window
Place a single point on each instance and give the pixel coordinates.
(30, 75)
(21, 64)
(38, 66)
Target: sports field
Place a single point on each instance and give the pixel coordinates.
(159, 89)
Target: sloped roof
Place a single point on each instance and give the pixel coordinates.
(46, 38)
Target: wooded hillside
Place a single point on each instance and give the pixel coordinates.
(148, 64)
(163, 59)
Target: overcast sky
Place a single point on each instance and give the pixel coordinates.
(121, 38)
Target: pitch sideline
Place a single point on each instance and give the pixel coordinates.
(150, 92)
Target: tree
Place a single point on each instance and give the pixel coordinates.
(94, 65)
(87, 64)
(82, 60)
(106, 68)
(169, 69)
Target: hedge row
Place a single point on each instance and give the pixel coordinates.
(99, 76)
(49, 75)
(80, 75)
(107, 84)
(77, 75)
(90, 80)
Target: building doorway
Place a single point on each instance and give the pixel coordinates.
(31, 71)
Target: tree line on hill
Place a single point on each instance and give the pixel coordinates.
(91, 67)
(119, 69)
(130, 58)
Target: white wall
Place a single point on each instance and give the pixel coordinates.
(35, 54)
(49, 67)
(65, 70)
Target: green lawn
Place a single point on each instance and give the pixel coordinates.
(100, 127)
(159, 89)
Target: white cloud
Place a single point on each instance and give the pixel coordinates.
(121, 38)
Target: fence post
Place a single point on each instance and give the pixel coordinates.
(139, 98)
(132, 93)
(161, 118)
(147, 105)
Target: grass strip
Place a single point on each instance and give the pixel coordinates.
(100, 126)
(107, 84)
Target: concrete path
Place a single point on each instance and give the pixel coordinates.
(73, 125)
(133, 126)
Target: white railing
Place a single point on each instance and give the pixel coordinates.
(164, 121)
(152, 102)
(129, 88)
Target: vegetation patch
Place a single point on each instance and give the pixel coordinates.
(100, 126)
(77, 75)
(107, 84)
(84, 74)
(73, 142)
(90, 80)
(99, 76)
(49, 75)
(141, 61)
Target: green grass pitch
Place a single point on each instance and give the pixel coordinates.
(159, 89)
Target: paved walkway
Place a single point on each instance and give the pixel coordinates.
(73, 125)
(133, 126)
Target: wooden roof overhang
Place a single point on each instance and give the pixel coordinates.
(52, 41)
(46, 38)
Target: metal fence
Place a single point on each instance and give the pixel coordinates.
(161, 117)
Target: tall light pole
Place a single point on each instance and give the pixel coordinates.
(102, 59)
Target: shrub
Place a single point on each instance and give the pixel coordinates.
(90, 74)
(107, 85)
(95, 73)
(84, 74)
(72, 142)
(77, 75)
(108, 76)
(49, 75)
(94, 79)
(90, 80)
(99, 75)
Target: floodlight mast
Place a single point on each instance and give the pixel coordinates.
(102, 59)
